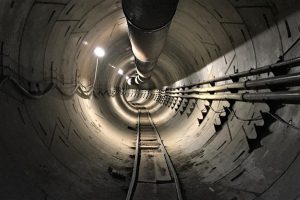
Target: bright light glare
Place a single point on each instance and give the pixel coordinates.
(111, 65)
(85, 42)
(120, 71)
(127, 77)
(99, 52)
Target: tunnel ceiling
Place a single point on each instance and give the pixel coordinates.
(62, 138)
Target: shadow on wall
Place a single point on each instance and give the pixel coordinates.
(234, 36)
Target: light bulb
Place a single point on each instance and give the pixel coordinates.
(99, 52)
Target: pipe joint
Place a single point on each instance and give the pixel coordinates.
(148, 25)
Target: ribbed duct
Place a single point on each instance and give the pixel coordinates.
(148, 24)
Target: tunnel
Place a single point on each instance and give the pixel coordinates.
(223, 99)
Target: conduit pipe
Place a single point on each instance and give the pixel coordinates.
(286, 97)
(148, 24)
(284, 80)
(283, 65)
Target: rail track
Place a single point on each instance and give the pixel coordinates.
(154, 176)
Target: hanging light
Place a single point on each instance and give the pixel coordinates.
(99, 52)
(120, 71)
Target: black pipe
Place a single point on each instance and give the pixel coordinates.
(284, 80)
(267, 68)
(148, 24)
(284, 97)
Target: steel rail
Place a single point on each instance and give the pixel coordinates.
(136, 162)
(168, 159)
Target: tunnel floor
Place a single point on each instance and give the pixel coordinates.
(156, 177)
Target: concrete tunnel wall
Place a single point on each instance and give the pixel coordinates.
(69, 147)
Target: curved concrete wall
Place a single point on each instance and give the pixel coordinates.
(59, 147)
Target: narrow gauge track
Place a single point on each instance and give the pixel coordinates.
(154, 176)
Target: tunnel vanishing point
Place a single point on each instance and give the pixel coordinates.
(149, 100)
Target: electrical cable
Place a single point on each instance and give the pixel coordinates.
(246, 120)
(217, 111)
(283, 121)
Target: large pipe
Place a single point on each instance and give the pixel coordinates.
(283, 65)
(284, 80)
(283, 97)
(148, 24)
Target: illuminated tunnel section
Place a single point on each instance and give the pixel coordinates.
(57, 143)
